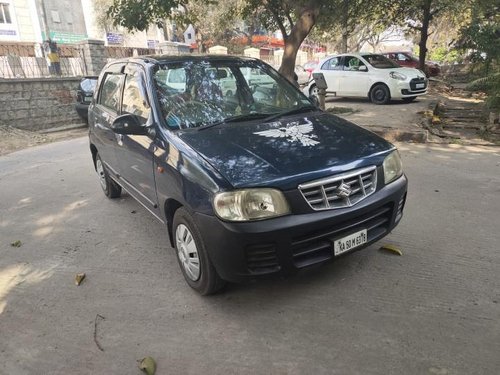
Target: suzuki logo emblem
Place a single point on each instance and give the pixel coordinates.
(344, 190)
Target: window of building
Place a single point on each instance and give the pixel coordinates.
(5, 13)
(55, 16)
(111, 90)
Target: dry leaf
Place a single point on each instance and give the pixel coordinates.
(391, 248)
(16, 243)
(79, 278)
(148, 365)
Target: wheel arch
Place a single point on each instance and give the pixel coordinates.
(171, 206)
(93, 150)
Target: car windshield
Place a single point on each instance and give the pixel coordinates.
(202, 93)
(380, 62)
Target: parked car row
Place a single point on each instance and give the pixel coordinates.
(253, 182)
(407, 59)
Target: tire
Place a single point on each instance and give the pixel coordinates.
(192, 255)
(110, 188)
(409, 99)
(313, 91)
(380, 94)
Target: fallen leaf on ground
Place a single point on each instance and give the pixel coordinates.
(148, 365)
(392, 249)
(79, 278)
(16, 243)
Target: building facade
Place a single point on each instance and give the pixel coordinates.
(67, 22)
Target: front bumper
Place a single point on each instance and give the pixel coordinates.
(405, 89)
(284, 245)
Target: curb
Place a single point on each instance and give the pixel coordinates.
(63, 128)
(397, 135)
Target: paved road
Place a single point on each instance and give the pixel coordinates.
(435, 310)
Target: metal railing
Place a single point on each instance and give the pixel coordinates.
(26, 60)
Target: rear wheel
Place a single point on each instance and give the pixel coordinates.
(193, 259)
(380, 94)
(409, 99)
(110, 188)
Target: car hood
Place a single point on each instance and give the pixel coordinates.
(286, 152)
(409, 72)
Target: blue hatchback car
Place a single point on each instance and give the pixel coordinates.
(248, 175)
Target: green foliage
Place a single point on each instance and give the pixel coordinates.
(140, 14)
(491, 86)
(445, 55)
(482, 34)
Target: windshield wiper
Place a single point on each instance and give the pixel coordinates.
(237, 118)
(291, 112)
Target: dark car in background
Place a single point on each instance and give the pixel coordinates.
(84, 94)
(247, 184)
(407, 59)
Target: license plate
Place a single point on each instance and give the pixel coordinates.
(87, 99)
(350, 242)
(420, 85)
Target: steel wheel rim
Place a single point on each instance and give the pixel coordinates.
(314, 91)
(187, 252)
(379, 95)
(100, 172)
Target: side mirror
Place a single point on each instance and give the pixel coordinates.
(363, 68)
(128, 124)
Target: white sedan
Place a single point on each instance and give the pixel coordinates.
(369, 75)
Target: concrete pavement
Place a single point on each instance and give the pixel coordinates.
(434, 310)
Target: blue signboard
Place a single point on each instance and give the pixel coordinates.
(8, 32)
(114, 38)
(152, 43)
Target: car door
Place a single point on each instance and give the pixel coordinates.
(355, 80)
(135, 152)
(104, 112)
(332, 70)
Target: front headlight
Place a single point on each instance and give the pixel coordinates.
(393, 168)
(250, 204)
(398, 76)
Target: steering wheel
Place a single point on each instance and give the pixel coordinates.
(191, 111)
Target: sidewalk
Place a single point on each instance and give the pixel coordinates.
(396, 121)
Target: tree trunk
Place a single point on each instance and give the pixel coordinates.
(424, 33)
(345, 20)
(299, 32)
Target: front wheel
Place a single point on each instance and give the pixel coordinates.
(380, 94)
(110, 188)
(193, 259)
(313, 91)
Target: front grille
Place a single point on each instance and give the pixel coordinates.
(343, 190)
(415, 81)
(401, 204)
(262, 258)
(317, 246)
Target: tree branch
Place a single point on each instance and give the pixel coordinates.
(277, 19)
(289, 17)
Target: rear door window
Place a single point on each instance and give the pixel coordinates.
(332, 64)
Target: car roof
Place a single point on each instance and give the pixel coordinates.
(145, 59)
(356, 54)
